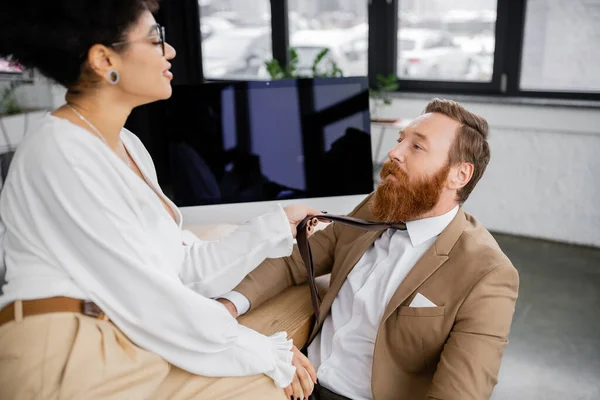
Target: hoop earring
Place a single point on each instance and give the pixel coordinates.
(113, 77)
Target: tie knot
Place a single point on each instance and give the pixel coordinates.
(401, 226)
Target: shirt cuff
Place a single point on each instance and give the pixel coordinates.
(284, 370)
(241, 302)
(289, 238)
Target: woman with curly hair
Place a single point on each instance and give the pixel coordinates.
(106, 296)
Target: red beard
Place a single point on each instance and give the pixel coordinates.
(402, 200)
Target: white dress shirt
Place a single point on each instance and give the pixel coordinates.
(343, 350)
(80, 223)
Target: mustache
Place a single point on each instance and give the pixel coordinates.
(391, 168)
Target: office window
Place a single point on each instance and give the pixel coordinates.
(561, 50)
(337, 25)
(450, 40)
(236, 38)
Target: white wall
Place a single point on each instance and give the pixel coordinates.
(39, 94)
(543, 179)
(36, 98)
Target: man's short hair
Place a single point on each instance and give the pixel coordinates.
(470, 144)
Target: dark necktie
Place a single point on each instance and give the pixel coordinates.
(304, 245)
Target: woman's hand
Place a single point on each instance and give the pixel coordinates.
(297, 213)
(229, 306)
(305, 378)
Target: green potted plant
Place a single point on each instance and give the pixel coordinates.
(380, 96)
(321, 67)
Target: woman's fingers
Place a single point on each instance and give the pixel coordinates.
(305, 381)
(294, 390)
(305, 362)
(310, 369)
(297, 387)
(305, 377)
(289, 392)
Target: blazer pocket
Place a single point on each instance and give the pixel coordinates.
(421, 311)
(419, 334)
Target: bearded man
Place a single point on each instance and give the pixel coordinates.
(421, 313)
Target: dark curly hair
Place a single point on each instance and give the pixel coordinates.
(54, 36)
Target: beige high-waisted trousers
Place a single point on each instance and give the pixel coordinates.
(73, 356)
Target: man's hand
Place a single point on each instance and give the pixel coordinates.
(229, 306)
(297, 213)
(305, 379)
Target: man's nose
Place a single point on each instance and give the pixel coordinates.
(397, 153)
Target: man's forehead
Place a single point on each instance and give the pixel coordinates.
(430, 124)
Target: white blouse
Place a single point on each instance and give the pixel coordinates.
(80, 223)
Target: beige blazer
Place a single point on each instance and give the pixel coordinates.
(452, 351)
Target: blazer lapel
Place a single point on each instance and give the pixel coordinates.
(422, 270)
(433, 258)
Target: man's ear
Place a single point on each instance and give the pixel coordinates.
(101, 60)
(460, 175)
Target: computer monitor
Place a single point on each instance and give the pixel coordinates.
(254, 142)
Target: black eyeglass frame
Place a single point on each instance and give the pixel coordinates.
(160, 30)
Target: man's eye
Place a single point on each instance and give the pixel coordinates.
(399, 140)
(416, 146)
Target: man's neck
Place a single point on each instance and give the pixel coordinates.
(437, 211)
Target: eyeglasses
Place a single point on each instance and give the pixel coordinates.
(159, 34)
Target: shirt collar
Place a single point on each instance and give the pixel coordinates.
(422, 230)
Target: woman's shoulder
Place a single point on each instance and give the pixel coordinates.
(54, 141)
(50, 133)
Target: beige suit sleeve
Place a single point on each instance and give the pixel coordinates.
(469, 364)
(273, 276)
